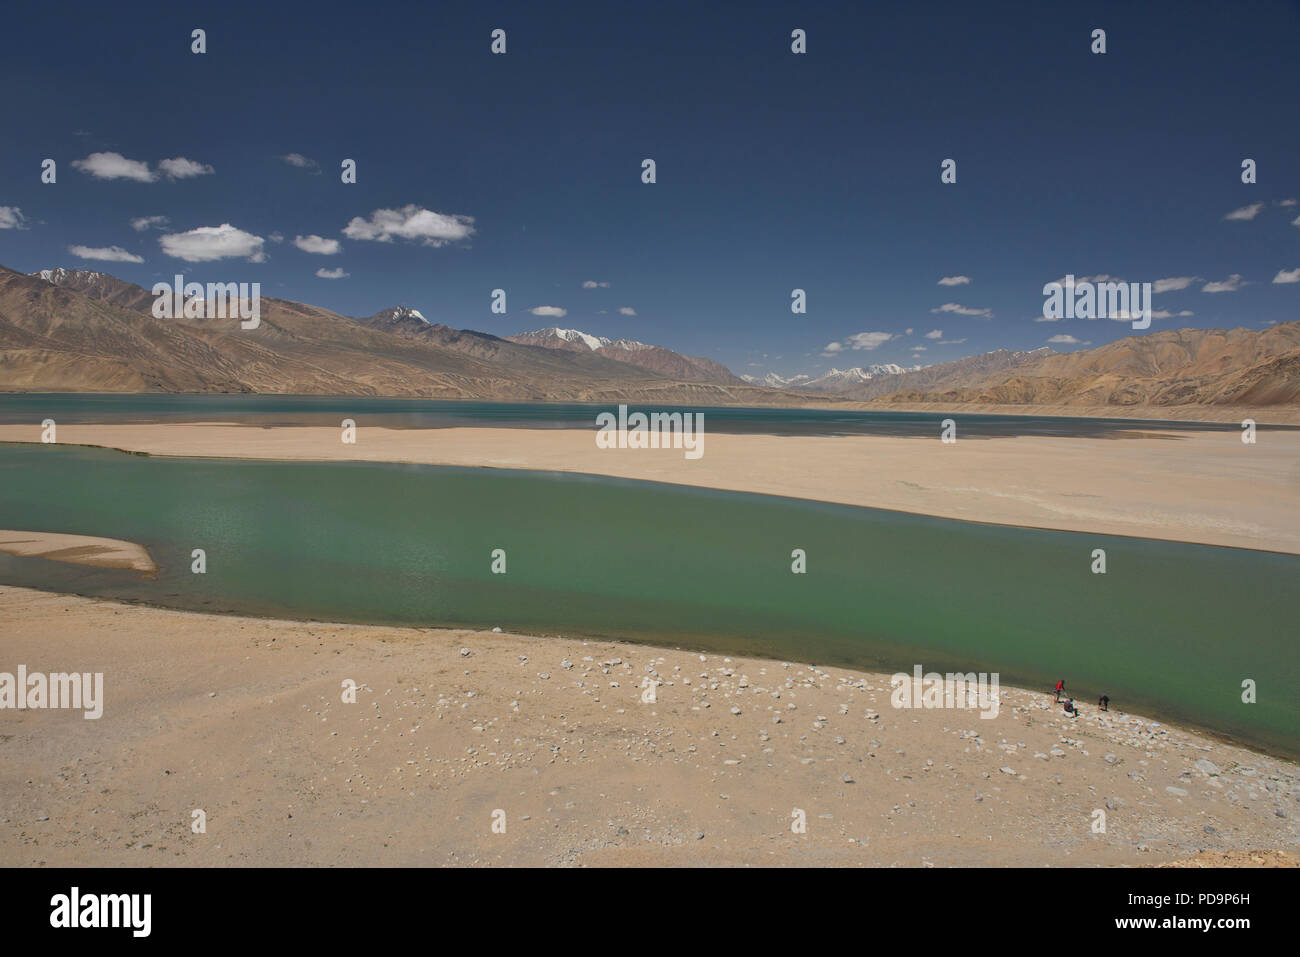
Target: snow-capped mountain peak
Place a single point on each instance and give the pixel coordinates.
(60, 275)
(574, 335)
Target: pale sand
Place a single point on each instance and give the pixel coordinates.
(243, 718)
(1206, 487)
(77, 549)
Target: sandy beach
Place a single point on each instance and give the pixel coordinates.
(245, 720)
(1198, 486)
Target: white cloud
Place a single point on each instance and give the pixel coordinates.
(832, 348)
(867, 340)
(110, 254)
(934, 334)
(1245, 212)
(907, 331)
(964, 310)
(1287, 202)
(114, 166)
(302, 162)
(951, 342)
(626, 311)
(1296, 221)
(318, 245)
(954, 281)
(411, 222)
(1231, 284)
(593, 284)
(1064, 340)
(1173, 283)
(555, 312)
(210, 243)
(149, 222)
(276, 237)
(11, 217)
(918, 348)
(182, 168)
(1285, 277)
(324, 273)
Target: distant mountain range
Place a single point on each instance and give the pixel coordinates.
(81, 331)
(67, 330)
(1175, 367)
(836, 380)
(655, 358)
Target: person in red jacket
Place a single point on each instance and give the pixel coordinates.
(1060, 690)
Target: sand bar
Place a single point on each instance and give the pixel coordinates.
(77, 549)
(1205, 487)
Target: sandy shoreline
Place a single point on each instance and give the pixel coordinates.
(77, 549)
(1205, 487)
(244, 719)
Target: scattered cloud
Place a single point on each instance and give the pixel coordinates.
(317, 244)
(918, 348)
(149, 222)
(302, 162)
(1284, 276)
(593, 284)
(951, 342)
(1173, 283)
(1064, 340)
(1296, 221)
(117, 166)
(907, 331)
(1287, 202)
(110, 254)
(114, 166)
(1231, 284)
(411, 222)
(955, 281)
(868, 340)
(934, 334)
(211, 243)
(832, 348)
(338, 273)
(276, 237)
(554, 312)
(626, 311)
(1245, 212)
(964, 310)
(182, 168)
(11, 217)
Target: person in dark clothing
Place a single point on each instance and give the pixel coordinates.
(1071, 708)
(1104, 702)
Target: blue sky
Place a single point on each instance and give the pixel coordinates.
(775, 171)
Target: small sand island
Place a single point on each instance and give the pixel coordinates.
(77, 549)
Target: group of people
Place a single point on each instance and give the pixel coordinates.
(1072, 709)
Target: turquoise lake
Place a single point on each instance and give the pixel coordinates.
(1172, 629)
